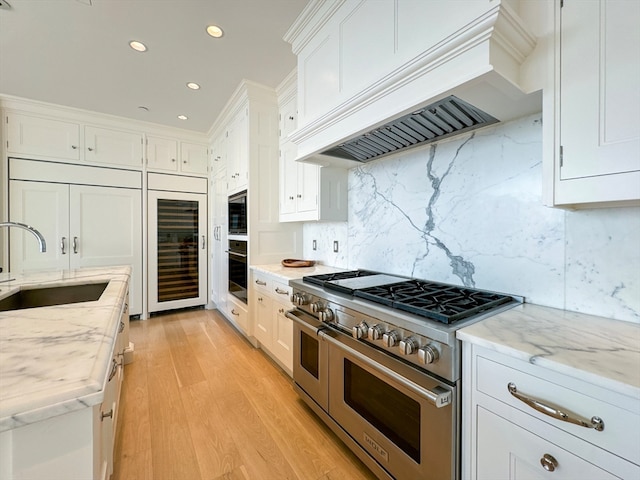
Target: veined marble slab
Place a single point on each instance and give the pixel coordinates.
(597, 350)
(54, 360)
(289, 273)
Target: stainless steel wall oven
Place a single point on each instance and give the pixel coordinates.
(238, 269)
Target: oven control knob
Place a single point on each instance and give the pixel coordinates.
(301, 299)
(360, 331)
(316, 307)
(408, 345)
(428, 354)
(390, 339)
(326, 315)
(294, 298)
(375, 332)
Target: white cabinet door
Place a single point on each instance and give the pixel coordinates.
(600, 93)
(238, 151)
(288, 179)
(307, 195)
(31, 135)
(282, 335)
(105, 229)
(113, 147)
(263, 318)
(84, 226)
(506, 451)
(219, 265)
(44, 206)
(177, 250)
(162, 153)
(194, 158)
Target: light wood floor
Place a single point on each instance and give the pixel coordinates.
(200, 403)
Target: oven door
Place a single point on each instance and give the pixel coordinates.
(405, 419)
(310, 357)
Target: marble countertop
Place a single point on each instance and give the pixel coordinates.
(289, 273)
(597, 350)
(54, 360)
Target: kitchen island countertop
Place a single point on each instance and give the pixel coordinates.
(54, 360)
(598, 350)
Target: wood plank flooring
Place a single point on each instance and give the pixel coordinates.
(200, 403)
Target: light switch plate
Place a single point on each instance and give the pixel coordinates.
(335, 246)
(314, 245)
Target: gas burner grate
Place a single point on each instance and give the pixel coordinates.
(331, 277)
(437, 301)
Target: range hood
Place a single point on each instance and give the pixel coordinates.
(469, 80)
(445, 118)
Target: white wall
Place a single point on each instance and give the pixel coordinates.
(468, 211)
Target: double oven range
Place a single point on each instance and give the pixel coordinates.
(376, 358)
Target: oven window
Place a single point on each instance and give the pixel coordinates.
(309, 354)
(391, 412)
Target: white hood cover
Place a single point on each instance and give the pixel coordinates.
(473, 76)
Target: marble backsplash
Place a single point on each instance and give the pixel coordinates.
(468, 211)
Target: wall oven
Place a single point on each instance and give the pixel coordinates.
(238, 269)
(238, 214)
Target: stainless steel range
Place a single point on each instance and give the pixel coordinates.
(376, 357)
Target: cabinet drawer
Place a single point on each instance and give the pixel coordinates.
(621, 432)
(281, 292)
(262, 282)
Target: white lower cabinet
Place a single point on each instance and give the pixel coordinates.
(83, 225)
(238, 313)
(511, 432)
(271, 328)
(75, 445)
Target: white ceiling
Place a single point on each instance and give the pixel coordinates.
(76, 53)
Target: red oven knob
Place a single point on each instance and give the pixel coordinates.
(360, 331)
(428, 354)
(326, 315)
(390, 339)
(408, 345)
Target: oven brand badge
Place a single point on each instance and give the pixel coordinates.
(376, 448)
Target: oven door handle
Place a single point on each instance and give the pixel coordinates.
(439, 397)
(312, 324)
(231, 252)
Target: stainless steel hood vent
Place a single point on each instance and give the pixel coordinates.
(447, 117)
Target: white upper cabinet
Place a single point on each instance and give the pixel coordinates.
(596, 151)
(194, 158)
(113, 147)
(162, 153)
(237, 137)
(32, 135)
(308, 192)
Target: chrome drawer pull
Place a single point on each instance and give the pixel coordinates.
(595, 422)
(114, 368)
(260, 282)
(281, 292)
(548, 462)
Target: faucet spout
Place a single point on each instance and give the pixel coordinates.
(41, 242)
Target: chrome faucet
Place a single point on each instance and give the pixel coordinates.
(36, 233)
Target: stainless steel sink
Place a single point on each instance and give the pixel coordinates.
(46, 297)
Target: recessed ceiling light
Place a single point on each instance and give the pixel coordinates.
(138, 46)
(183, 117)
(193, 86)
(215, 31)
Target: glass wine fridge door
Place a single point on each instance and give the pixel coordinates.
(177, 250)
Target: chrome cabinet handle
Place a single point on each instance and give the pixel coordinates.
(281, 292)
(233, 312)
(90, 149)
(548, 462)
(75, 244)
(204, 242)
(109, 414)
(75, 147)
(121, 329)
(62, 245)
(260, 282)
(114, 369)
(596, 422)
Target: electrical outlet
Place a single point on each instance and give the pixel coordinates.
(314, 245)
(335, 246)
